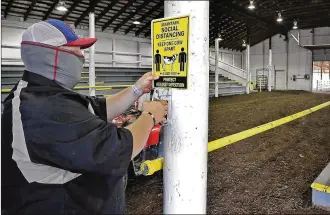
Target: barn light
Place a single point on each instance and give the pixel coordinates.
(295, 25)
(136, 22)
(244, 43)
(251, 6)
(279, 18)
(61, 6)
(220, 38)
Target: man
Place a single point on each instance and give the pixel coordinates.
(60, 152)
(182, 59)
(158, 60)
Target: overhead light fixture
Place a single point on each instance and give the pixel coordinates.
(219, 36)
(251, 6)
(279, 18)
(244, 43)
(61, 6)
(136, 22)
(295, 25)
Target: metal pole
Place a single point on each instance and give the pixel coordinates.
(113, 52)
(92, 54)
(216, 71)
(233, 61)
(287, 65)
(270, 66)
(242, 62)
(248, 69)
(140, 55)
(185, 147)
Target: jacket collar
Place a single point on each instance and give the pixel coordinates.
(39, 80)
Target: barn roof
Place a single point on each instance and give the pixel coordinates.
(230, 18)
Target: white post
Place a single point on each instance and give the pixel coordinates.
(248, 69)
(185, 147)
(270, 71)
(92, 54)
(140, 55)
(216, 71)
(233, 61)
(113, 52)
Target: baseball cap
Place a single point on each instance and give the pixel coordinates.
(55, 33)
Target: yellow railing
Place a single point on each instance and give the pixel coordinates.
(99, 88)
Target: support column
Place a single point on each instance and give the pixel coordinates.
(216, 71)
(92, 54)
(233, 60)
(242, 61)
(248, 69)
(248, 77)
(113, 52)
(270, 66)
(140, 55)
(287, 65)
(185, 143)
(312, 63)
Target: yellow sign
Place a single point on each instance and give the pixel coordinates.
(170, 41)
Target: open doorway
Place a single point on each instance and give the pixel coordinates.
(321, 75)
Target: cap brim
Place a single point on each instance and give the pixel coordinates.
(83, 43)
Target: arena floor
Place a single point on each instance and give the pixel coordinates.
(268, 173)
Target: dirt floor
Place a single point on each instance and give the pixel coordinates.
(267, 173)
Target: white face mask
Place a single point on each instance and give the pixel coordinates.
(54, 63)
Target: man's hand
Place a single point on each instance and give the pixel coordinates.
(144, 84)
(157, 108)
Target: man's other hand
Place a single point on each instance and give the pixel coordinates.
(144, 84)
(157, 108)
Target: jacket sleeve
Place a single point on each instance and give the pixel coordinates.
(65, 134)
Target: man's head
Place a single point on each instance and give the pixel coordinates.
(52, 49)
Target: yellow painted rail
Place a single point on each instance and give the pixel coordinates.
(85, 87)
(321, 187)
(151, 166)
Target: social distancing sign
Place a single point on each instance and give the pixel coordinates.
(170, 48)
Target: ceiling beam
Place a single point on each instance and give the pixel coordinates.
(50, 10)
(143, 5)
(247, 16)
(239, 13)
(72, 7)
(7, 8)
(27, 13)
(154, 8)
(160, 15)
(87, 11)
(122, 10)
(105, 10)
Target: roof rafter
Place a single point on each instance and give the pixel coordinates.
(7, 8)
(87, 11)
(27, 13)
(105, 11)
(50, 10)
(145, 3)
(161, 15)
(154, 8)
(72, 7)
(123, 9)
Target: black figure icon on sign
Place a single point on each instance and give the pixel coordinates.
(182, 59)
(158, 60)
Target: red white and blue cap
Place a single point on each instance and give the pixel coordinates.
(55, 33)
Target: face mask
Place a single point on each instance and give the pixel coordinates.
(60, 65)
